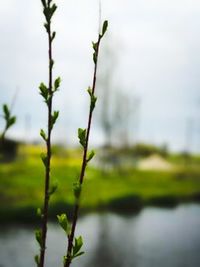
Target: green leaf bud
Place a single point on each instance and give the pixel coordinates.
(44, 159)
(11, 121)
(43, 134)
(38, 236)
(95, 58)
(95, 46)
(91, 155)
(6, 111)
(82, 136)
(52, 10)
(53, 36)
(93, 99)
(39, 212)
(77, 247)
(57, 84)
(54, 118)
(105, 27)
(37, 260)
(77, 189)
(46, 25)
(64, 223)
(53, 188)
(44, 91)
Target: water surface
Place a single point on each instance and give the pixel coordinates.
(155, 237)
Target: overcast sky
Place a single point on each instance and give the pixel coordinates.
(156, 43)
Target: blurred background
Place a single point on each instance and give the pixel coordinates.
(140, 201)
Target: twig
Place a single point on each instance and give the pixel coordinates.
(84, 135)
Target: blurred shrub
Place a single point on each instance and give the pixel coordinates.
(8, 150)
(145, 150)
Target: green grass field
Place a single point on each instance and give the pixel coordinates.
(22, 182)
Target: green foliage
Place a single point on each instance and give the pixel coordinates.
(38, 236)
(95, 46)
(93, 99)
(54, 118)
(43, 134)
(44, 159)
(37, 260)
(91, 155)
(53, 188)
(145, 150)
(95, 58)
(39, 212)
(48, 11)
(82, 136)
(104, 28)
(44, 91)
(57, 84)
(100, 189)
(77, 189)
(8, 149)
(53, 36)
(64, 223)
(77, 247)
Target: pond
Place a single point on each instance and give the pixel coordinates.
(155, 237)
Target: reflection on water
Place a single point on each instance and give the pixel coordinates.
(154, 237)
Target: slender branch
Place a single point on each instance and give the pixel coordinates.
(47, 93)
(48, 165)
(68, 258)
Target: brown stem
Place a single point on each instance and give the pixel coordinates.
(83, 167)
(48, 164)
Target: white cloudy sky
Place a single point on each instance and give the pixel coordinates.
(156, 43)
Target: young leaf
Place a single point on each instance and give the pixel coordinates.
(39, 212)
(43, 135)
(95, 58)
(64, 223)
(78, 254)
(52, 10)
(6, 111)
(46, 25)
(37, 260)
(89, 90)
(54, 118)
(105, 27)
(44, 91)
(93, 99)
(82, 136)
(91, 155)
(57, 84)
(64, 260)
(44, 159)
(47, 14)
(11, 121)
(38, 236)
(53, 36)
(93, 102)
(77, 189)
(53, 188)
(95, 46)
(77, 247)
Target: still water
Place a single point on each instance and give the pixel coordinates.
(153, 238)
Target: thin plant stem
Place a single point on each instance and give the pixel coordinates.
(71, 236)
(47, 93)
(48, 165)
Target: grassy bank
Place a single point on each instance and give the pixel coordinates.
(21, 190)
